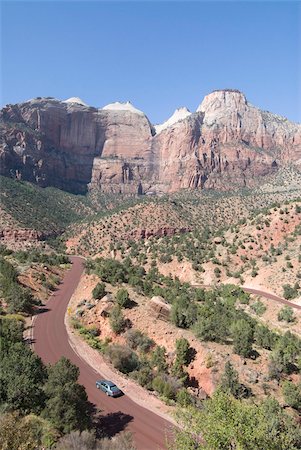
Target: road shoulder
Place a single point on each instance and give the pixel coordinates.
(103, 369)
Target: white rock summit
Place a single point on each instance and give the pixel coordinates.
(127, 106)
(76, 100)
(178, 115)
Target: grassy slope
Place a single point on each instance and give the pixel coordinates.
(47, 210)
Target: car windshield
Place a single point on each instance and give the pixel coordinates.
(114, 388)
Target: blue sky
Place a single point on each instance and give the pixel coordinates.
(159, 55)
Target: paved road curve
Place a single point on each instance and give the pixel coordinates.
(51, 342)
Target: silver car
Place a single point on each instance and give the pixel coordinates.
(109, 388)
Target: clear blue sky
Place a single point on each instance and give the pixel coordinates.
(158, 55)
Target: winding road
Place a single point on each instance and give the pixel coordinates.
(50, 342)
(272, 297)
(264, 294)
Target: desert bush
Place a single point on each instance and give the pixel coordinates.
(144, 376)
(15, 433)
(86, 440)
(224, 422)
(184, 353)
(242, 334)
(158, 359)
(75, 323)
(289, 292)
(123, 358)
(230, 382)
(183, 312)
(292, 394)
(264, 337)
(166, 386)
(258, 307)
(89, 331)
(285, 357)
(99, 291)
(117, 320)
(286, 314)
(135, 339)
(183, 398)
(123, 298)
(217, 272)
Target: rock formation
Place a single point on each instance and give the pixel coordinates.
(159, 308)
(226, 143)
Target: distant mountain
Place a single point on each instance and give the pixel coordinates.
(227, 143)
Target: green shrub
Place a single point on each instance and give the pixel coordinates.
(264, 337)
(285, 356)
(99, 291)
(123, 358)
(166, 386)
(286, 314)
(242, 334)
(183, 398)
(230, 382)
(292, 394)
(183, 352)
(135, 339)
(123, 298)
(158, 359)
(258, 307)
(117, 320)
(144, 376)
(289, 292)
(75, 323)
(217, 272)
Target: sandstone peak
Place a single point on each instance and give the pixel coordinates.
(178, 115)
(229, 144)
(42, 100)
(126, 106)
(76, 100)
(223, 99)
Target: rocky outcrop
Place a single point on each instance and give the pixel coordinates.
(159, 308)
(21, 235)
(69, 145)
(226, 143)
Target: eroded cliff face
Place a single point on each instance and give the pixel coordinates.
(226, 143)
(69, 145)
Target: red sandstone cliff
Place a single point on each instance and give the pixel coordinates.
(226, 143)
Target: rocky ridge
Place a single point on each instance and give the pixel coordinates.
(227, 143)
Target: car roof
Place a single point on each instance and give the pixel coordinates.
(109, 383)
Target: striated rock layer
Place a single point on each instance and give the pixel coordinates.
(226, 143)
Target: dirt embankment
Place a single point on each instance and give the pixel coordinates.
(139, 395)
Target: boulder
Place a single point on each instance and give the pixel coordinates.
(159, 308)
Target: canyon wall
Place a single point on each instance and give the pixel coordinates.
(226, 143)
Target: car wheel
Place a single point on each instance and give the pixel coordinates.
(107, 393)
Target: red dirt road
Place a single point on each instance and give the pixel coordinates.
(51, 342)
(271, 297)
(260, 293)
